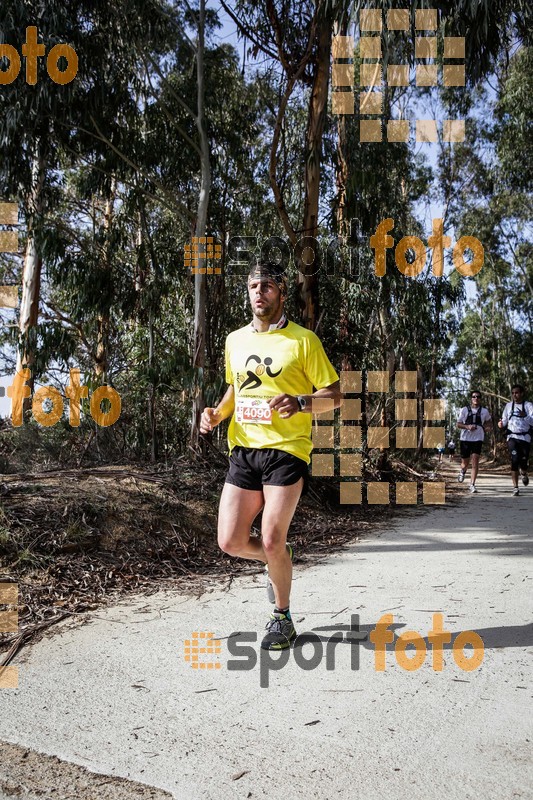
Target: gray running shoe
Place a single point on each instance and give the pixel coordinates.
(461, 476)
(516, 492)
(280, 634)
(472, 488)
(525, 478)
(270, 588)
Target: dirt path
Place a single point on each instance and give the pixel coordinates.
(115, 695)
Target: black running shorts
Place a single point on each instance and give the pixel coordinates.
(467, 448)
(251, 468)
(519, 450)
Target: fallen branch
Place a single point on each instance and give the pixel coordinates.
(24, 637)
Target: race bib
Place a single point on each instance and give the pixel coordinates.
(250, 409)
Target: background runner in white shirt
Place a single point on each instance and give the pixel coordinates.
(473, 421)
(517, 419)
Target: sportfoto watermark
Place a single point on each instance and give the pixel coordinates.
(344, 257)
(246, 657)
(9, 243)
(333, 454)
(9, 623)
(51, 396)
(32, 50)
(377, 75)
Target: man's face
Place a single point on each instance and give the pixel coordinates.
(476, 399)
(265, 298)
(517, 395)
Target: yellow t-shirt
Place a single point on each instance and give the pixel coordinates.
(260, 366)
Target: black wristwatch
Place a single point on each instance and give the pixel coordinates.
(302, 402)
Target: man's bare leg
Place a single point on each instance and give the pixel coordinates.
(237, 510)
(280, 505)
(475, 467)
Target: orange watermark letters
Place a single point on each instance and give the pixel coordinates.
(382, 635)
(380, 242)
(19, 390)
(9, 623)
(32, 50)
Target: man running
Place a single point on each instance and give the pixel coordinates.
(473, 421)
(451, 449)
(517, 421)
(272, 367)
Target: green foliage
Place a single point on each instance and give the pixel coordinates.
(488, 180)
(514, 134)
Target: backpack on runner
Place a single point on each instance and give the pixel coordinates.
(474, 419)
(520, 414)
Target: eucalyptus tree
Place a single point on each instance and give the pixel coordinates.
(30, 139)
(297, 38)
(491, 181)
(48, 127)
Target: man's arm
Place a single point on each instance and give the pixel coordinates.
(211, 417)
(505, 418)
(317, 403)
(226, 407)
(463, 425)
(324, 399)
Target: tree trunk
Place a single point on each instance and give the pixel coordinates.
(103, 319)
(31, 274)
(152, 401)
(198, 358)
(341, 179)
(436, 342)
(420, 377)
(364, 422)
(145, 259)
(388, 355)
(343, 229)
(341, 166)
(308, 284)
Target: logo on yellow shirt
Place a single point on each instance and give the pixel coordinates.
(252, 380)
